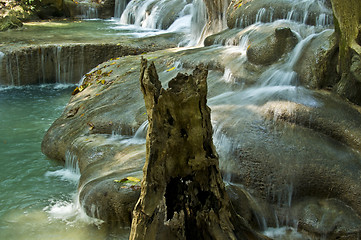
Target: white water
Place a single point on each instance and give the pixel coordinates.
(2, 55)
(277, 83)
(71, 171)
(299, 11)
(119, 7)
(88, 9)
(170, 15)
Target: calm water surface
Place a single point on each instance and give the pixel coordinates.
(37, 194)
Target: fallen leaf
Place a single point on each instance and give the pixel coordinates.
(76, 90)
(133, 179)
(170, 69)
(91, 125)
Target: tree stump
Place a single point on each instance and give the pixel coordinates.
(182, 195)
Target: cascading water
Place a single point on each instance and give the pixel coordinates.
(47, 63)
(88, 9)
(173, 16)
(278, 83)
(240, 103)
(313, 12)
(119, 7)
(2, 55)
(198, 22)
(153, 14)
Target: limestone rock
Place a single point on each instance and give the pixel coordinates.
(105, 164)
(267, 49)
(246, 12)
(328, 218)
(316, 67)
(279, 151)
(355, 68)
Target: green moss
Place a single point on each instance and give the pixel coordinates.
(347, 17)
(9, 22)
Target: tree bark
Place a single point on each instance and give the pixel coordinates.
(183, 195)
(347, 17)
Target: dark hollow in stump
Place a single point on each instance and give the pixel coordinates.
(183, 195)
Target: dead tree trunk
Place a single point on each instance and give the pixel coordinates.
(183, 195)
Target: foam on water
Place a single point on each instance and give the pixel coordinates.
(58, 86)
(65, 175)
(70, 212)
(284, 233)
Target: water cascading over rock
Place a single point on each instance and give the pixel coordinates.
(183, 195)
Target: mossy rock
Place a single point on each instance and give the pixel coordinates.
(10, 22)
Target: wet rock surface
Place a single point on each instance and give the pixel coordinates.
(317, 65)
(290, 153)
(265, 51)
(65, 56)
(255, 141)
(246, 12)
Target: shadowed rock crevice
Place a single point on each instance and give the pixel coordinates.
(183, 195)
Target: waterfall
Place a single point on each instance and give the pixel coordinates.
(142, 131)
(2, 55)
(312, 12)
(119, 7)
(153, 14)
(198, 22)
(88, 10)
(71, 162)
(9, 70)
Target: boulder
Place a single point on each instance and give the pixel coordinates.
(327, 218)
(46, 9)
(105, 163)
(316, 66)
(266, 49)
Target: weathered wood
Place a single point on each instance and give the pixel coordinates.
(183, 195)
(347, 16)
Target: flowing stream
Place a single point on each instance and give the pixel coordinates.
(38, 197)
